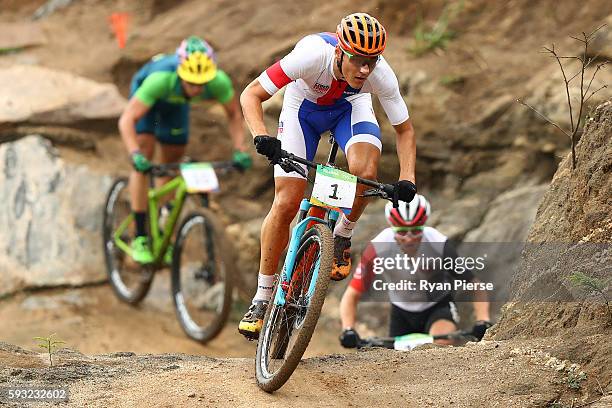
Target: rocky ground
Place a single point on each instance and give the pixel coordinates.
(486, 374)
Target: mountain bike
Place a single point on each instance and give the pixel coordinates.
(300, 290)
(201, 258)
(412, 340)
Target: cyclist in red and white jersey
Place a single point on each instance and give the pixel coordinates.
(329, 79)
(412, 310)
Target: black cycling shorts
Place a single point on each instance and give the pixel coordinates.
(404, 322)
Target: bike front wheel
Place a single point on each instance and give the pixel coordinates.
(287, 329)
(202, 276)
(130, 280)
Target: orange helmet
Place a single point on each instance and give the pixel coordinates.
(361, 34)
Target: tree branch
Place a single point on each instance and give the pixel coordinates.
(595, 30)
(544, 117)
(588, 64)
(577, 39)
(582, 93)
(583, 98)
(594, 92)
(599, 66)
(567, 91)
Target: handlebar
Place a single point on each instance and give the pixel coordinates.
(382, 342)
(171, 169)
(389, 342)
(288, 162)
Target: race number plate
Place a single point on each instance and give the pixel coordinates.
(334, 188)
(410, 341)
(200, 177)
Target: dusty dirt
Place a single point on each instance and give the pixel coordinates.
(93, 321)
(517, 373)
(489, 374)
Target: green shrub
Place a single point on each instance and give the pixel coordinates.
(428, 38)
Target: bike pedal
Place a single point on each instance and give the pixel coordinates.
(250, 336)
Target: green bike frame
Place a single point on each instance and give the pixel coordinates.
(159, 239)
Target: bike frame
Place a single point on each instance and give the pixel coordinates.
(306, 221)
(309, 215)
(159, 239)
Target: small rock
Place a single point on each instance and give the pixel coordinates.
(172, 367)
(123, 354)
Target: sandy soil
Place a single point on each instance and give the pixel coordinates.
(93, 321)
(488, 374)
(513, 373)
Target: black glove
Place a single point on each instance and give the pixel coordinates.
(404, 190)
(480, 327)
(269, 147)
(349, 338)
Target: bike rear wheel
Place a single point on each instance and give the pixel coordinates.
(202, 276)
(130, 280)
(287, 329)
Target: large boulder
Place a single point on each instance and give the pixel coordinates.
(40, 95)
(14, 36)
(509, 216)
(50, 218)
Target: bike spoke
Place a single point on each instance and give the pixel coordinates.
(129, 279)
(287, 320)
(200, 283)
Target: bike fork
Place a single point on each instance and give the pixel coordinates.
(308, 216)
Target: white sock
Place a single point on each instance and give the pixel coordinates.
(344, 227)
(265, 287)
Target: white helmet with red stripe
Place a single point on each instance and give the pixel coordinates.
(411, 214)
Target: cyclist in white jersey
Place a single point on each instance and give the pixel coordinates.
(414, 310)
(329, 79)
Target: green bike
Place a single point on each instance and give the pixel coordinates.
(202, 259)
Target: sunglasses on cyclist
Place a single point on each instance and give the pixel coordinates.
(409, 231)
(359, 60)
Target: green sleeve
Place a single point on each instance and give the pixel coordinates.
(221, 87)
(155, 87)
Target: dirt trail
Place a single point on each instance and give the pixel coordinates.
(488, 374)
(93, 321)
(511, 373)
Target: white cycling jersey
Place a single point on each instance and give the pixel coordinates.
(308, 70)
(315, 101)
(384, 247)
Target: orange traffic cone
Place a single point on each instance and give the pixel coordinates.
(119, 24)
